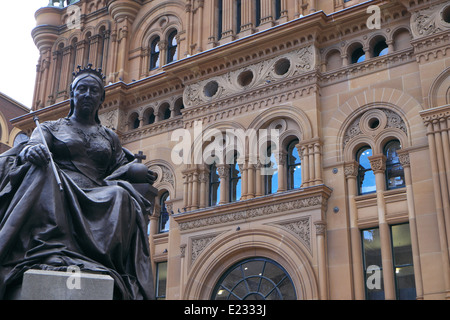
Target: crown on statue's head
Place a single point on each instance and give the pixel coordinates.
(90, 70)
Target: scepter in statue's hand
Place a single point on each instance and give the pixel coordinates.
(48, 154)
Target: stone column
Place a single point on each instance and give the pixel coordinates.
(281, 159)
(195, 189)
(258, 180)
(440, 196)
(351, 172)
(223, 170)
(251, 181)
(378, 164)
(244, 180)
(321, 228)
(203, 179)
(227, 21)
(405, 162)
(266, 14)
(200, 25)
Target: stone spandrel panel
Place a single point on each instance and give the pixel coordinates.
(250, 77)
(431, 20)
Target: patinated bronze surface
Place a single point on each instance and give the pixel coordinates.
(98, 222)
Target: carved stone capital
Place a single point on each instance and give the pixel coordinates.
(403, 157)
(351, 169)
(321, 227)
(378, 163)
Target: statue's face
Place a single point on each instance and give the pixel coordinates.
(88, 95)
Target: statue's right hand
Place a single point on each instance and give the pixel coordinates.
(38, 155)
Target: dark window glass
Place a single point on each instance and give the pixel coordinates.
(172, 49)
(270, 173)
(373, 272)
(235, 181)
(257, 12)
(238, 16)
(294, 167)
(277, 9)
(366, 177)
(154, 54)
(219, 19)
(214, 185)
(164, 215)
(255, 279)
(403, 262)
(395, 176)
(358, 55)
(161, 280)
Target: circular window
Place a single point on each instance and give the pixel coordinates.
(282, 66)
(374, 123)
(210, 89)
(446, 14)
(245, 78)
(255, 279)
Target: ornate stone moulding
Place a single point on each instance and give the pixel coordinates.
(281, 203)
(250, 77)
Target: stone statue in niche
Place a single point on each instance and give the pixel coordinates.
(86, 212)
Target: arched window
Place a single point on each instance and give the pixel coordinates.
(294, 167)
(366, 177)
(164, 214)
(358, 55)
(214, 185)
(270, 172)
(395, 177)
(154, 54)
(172, 49)
(21, 137)
(235, 181)
(255, 279)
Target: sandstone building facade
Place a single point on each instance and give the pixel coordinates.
(10, 135)
(341, 186)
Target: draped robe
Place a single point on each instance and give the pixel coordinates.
(97, 223)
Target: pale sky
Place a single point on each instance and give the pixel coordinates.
(18, 54)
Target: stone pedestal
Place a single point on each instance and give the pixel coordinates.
(58, 285)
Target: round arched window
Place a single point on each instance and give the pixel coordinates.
(255, 279)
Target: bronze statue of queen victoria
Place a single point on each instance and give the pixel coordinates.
(97, 222)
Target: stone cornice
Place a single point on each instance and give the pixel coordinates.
(280, 203)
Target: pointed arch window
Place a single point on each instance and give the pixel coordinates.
(172, 49)
(214, 185)
(294, 166)
(164, 220)
(235, 181)
(395, 176)
(154, 54)
(366, 177)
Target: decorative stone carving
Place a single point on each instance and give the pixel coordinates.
(252, 76)
(198, 245)
(364, 124)
(300, 228)
(164, 174)
(244, 214)
(110, 119)
(430, 20)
